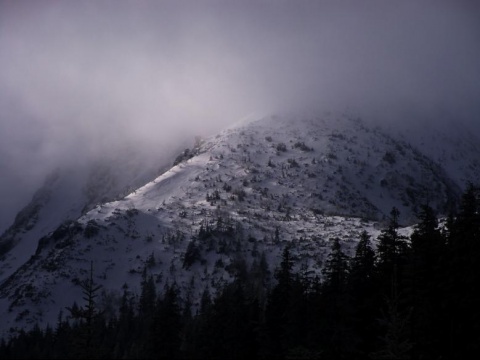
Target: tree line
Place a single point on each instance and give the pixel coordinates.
(405, 298)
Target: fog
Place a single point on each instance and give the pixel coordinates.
(79, 78)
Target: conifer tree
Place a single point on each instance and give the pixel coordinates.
(426, 284)
(166, 327)
(392, 258)
(286, 310)
(199, 340)
(464, 251)
(86, 347)
(362, 267)
(363, 296)
(337, 312)
(392, 251)
(395, 342)
(230, 323)
(125, 326)
(148, 295)
(336, 269)
(279, 305)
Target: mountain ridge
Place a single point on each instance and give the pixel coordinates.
(246, 191)
(72, 190)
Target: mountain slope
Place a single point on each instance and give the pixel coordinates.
(71, 191)
(232, 200)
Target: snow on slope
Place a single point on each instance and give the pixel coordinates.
(68, 193)
(234, 198)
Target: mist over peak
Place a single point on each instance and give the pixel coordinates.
(82, 78)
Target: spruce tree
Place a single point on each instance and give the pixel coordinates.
(336, 269)
(146, 308)
(166, 326)
(464, 250)
(148, 295)
(279, 306)
(363, 296)
(338, 339)
(86, 345)
(395, 342)
(392, 252)
(426, 284)
(392, 259)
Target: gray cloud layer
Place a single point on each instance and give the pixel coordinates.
(79, 77)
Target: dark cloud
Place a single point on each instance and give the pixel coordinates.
(79, 77)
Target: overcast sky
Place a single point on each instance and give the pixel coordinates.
(79, 77)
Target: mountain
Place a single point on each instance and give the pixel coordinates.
(230, 202)
(70, 191)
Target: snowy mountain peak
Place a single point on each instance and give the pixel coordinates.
(229, 200)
